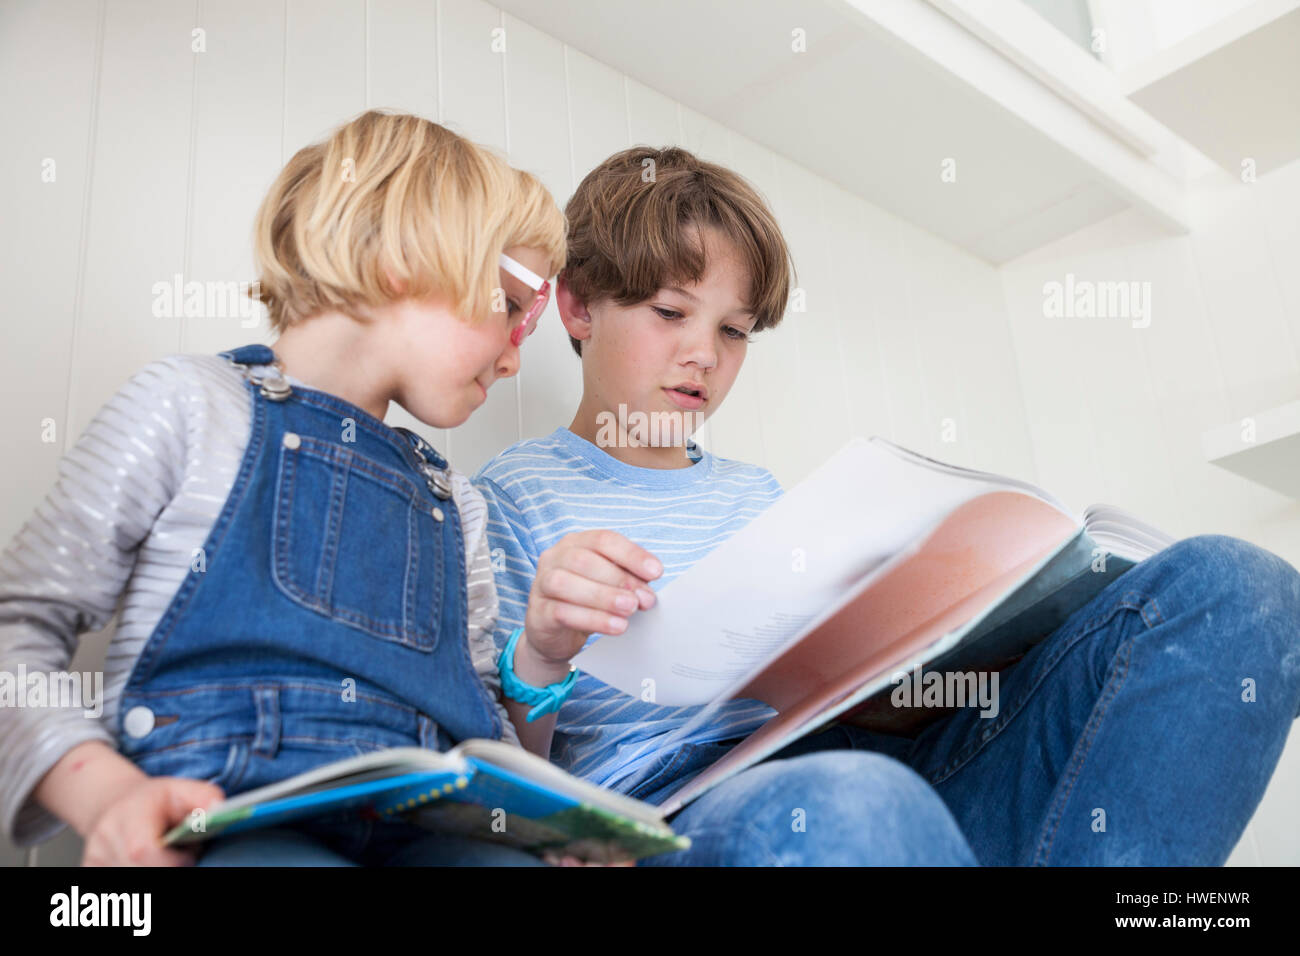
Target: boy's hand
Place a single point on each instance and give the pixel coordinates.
(130, 831)
(590, 581)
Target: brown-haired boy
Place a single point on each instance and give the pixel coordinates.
(1133, 707)
(673, 264)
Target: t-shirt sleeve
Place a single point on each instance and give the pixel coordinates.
(64, 572)
(482, 599)
(514, 557)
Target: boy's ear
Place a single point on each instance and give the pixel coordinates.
(573, 312)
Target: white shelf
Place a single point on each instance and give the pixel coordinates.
(1231, 90)
(1272, 458)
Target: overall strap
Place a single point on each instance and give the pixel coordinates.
(273, 385)
(249, 355)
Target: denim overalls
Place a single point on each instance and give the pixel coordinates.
(326, 614)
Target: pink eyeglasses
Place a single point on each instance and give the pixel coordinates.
(533, 281)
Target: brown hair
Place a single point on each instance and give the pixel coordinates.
(631, 221)
(394, 192)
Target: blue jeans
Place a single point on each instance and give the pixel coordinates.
(344, 840)
(1143, 731)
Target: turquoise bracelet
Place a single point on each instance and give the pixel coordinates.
(547, 698)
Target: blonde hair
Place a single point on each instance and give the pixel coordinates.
(395, 194)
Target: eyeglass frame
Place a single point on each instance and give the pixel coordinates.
(533, 281)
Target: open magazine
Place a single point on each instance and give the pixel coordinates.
(481, 788)
(880, 564)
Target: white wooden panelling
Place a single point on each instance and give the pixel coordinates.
(782, 403)
(324, 65)
(818, 390)
(135, 223)
(43, 243)
(402, 56)
(897, 338)
(856, 274)
(235, 155)
(1249, 330)
(1280, 191)
(651, 116)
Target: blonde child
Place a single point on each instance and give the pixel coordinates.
(296, 578)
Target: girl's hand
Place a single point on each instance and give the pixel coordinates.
(130, 831)
(590, 581)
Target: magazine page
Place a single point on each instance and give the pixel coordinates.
(749, 598)
(958, 571)
(926, 603)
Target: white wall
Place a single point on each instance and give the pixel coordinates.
(163, 154)
(1116, 412)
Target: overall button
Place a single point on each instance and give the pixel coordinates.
(138, 721)
(291, 440)
(439, 484)
(275, 387)
(437, 514)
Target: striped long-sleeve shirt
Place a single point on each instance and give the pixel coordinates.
(135, 499)
(542, 489)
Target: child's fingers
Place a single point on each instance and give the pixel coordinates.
(576, 554)
(589, 563)
(561, 584)
(624, 552)
(184, 796)
(574, 617)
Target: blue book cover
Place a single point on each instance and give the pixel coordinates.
(483, 789)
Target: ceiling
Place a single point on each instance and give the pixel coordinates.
(860, 107)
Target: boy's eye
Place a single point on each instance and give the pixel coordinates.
(733, 333)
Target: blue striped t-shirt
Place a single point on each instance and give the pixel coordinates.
(542, 489)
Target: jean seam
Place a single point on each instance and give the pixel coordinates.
(1132, 601)
(326, 689)
(409, 614)
(333, 534)
(1079, 757)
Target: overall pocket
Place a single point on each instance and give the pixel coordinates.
(353, 541)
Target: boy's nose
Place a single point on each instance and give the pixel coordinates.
(702, 352)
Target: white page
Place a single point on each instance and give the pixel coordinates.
(746, 599)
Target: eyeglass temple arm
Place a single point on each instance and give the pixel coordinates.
(522, 272)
